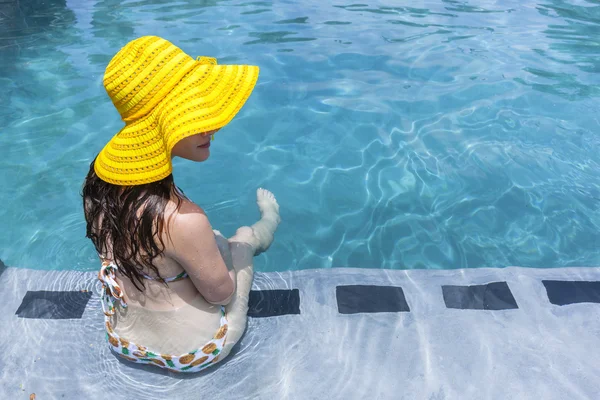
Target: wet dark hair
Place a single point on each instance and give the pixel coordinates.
(129, 220)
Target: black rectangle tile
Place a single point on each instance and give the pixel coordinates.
(53, 304)
(271, 303)
(570, 292)
(492, 296)
(353, 299)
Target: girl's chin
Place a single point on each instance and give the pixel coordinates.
(203, 154)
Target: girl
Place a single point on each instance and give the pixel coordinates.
(175, 292)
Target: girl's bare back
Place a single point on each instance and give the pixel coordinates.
(176, 318)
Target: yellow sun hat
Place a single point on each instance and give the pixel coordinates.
(164, 95)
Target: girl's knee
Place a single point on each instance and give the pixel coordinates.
(243, 234)
(244, 230)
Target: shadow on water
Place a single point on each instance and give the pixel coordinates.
(395, 11)
(573, 40)
(463, 7)
(578, 36)
(25, 23)
(276, 37)
(28, 29)
(122, 24)
(115, 27)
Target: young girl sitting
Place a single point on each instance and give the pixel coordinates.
(175, 292)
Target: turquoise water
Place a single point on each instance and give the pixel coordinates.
(447, 134)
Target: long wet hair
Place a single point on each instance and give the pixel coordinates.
(129, 220)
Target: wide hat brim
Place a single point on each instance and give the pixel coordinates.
(205, 99)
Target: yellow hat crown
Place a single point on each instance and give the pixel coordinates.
(164, 95)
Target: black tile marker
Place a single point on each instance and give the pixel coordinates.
(570, 292)
(492, 296)
(53, 304)
(353, 299)
(272, 303)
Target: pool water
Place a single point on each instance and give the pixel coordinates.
(447, 134)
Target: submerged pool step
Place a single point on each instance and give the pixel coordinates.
(351, 299)
(399, 331)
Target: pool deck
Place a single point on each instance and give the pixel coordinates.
(512, 333)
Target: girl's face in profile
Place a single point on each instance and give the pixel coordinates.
(195, 147)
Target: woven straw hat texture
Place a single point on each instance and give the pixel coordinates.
(164, 95)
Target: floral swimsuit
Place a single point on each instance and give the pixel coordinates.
(193, 361)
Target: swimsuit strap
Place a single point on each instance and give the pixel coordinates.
(181, 193)
(175, 278)
(111, 291)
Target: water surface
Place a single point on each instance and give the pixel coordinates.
(444, 134)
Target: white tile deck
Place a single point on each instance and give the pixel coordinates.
(539, 351)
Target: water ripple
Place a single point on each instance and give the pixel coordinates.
(445, 135)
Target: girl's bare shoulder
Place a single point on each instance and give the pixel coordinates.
(185, 207)
(189, 219)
